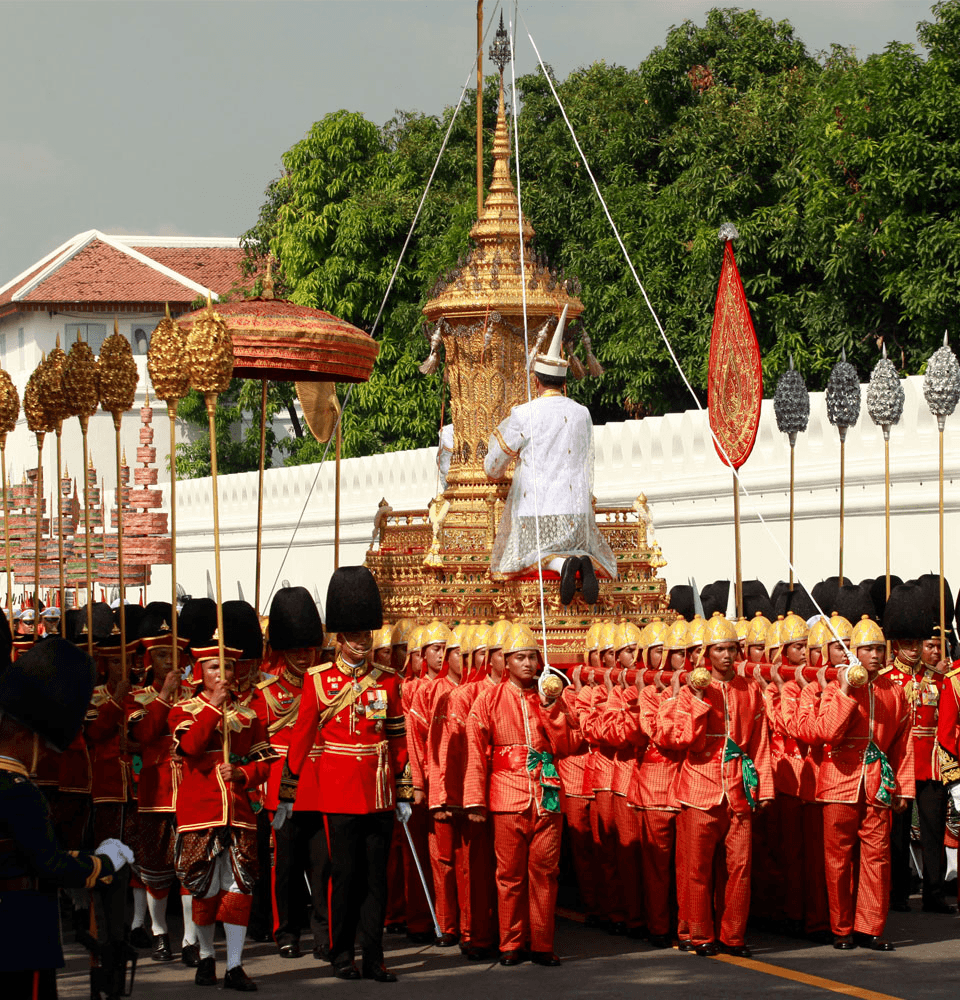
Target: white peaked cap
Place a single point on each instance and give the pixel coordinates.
(551, 363)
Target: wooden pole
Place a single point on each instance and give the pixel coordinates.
(843, 434)
(736, 539)
(479, 108)
(6, 530)
(84, 426)
(117, 417)
(791, 509)
(172, 415)
(263, 459)
(886, 502)
(943, 629)
(336, 504)
(38, 502)
(63, 603)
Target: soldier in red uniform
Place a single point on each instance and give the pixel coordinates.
(147, 713)
(296, 636)
(918, 667)
(351, 709)
(216, 856)
(514, 733)
(725, 776)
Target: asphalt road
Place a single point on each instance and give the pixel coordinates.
(926, 964)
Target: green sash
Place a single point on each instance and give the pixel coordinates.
(549, 779)
(888, 782)
(750, 779)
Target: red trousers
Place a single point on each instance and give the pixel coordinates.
(658, 838)
(717, 852)
(444, 839)
(604, 830)
(816, 907)
(417, 910)
(627, 822)
(576, 811)
(527, 847)
(683, 917)
(395, 905)
(844, 824)
(477, 893)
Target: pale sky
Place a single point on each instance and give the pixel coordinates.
(169, 118)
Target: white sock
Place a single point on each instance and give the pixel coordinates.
(556, 564)
(139, 907)
(189, 927)
(158, 913)
(205, 939)
(235, 937)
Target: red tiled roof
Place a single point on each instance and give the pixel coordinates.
(216, 267)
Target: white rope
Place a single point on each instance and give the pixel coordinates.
(526, 337)
(386, 295)
(663, 334)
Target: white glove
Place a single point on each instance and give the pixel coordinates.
(954, 792)
(283, 813)
(404, 811)
(118, 852)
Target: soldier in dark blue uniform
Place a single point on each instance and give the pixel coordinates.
(44, 694)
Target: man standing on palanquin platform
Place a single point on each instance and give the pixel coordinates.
(548, 517)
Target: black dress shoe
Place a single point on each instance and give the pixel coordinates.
(140, 938)
(290, 949)
(446, 940)
(378, 973)
(420, 937)
(547, 958)
(347, 970)
(617, 928)
(638, 933)
(844, 942)
(708, 949)
(322, 953)
(938, 905)
(660, 940)
(206, 972)
(396, 927)
(737, 950)
(899, 906)
(568, 579)
(190, 955)
(594, 920)
(515, 957)
(873, 942)
(588, 581)
(161, 948)
(237, 979)
(686, 945)
(477, 954)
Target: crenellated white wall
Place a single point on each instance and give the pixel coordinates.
(671, 459)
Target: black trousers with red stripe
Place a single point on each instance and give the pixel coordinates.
(288, 884)
(312, 835)
(28, 985)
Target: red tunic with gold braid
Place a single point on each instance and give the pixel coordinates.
(276, 701)
(147, 723)
(111, 762)
(922, 691)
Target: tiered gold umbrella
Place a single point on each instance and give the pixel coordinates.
(9, 414)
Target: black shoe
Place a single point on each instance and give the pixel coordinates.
(446, 940)
(844, 942)
(568, 579)
(638, 933)
(708, 949)
(397, 927)
(190, 955)
(515, 957)
(161, 948)
(873, 942)
(938, 905)
(588, 581)
(290, 949)
(237, 979)
(660, 940)
(140, 938)
(618, 928)
(420, 937)
(547, 958)
(477, 954)
(206, 972)
(899, 905)
(737, 950)
(594, 920)
(259, 936)
(378, 973)
(346, 971)
(686, 946)
(820, 937)
(322, 953)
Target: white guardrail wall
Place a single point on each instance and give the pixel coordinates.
(670, 459)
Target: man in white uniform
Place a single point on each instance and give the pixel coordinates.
(551, 496)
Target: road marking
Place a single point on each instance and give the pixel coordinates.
(803, 977)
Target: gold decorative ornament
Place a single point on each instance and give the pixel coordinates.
(700, 678)
(552, 686)
(857, 675)
(9, 415)
(61, 407)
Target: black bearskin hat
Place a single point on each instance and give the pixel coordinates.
(680, 600)
(198, 621)
(714, 597)
(825, 594)
(241, 629)
(853, 602)
(156, 620)
(908, 614)
(756, 598)
(878, 593)
(795, 602)
(295, 621)
(353, 601)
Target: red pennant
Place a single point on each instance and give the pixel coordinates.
(735, 377)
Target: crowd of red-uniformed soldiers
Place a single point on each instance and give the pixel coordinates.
(764, 784)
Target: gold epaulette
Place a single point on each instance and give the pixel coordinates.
(953, 673)
(386, 670)
(267, 681)
(194, 705)
(318, 668)
(146, 695)
(886, 670)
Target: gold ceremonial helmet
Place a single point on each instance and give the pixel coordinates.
(793, 629)
(757, 630)
(454, 638)
(591, 640)
(743, 627)
(866, 633)
(717, 630)
(773, 636)
(676, 637)
(480, 633)
(497, 633)
(400, 634)
(382, 638)
(818, 634)
(695, 631)
(654, 634)
(466, 638)
(838, 628)
(518, 639)
(607, 636)
(627, 635)
(435, 632)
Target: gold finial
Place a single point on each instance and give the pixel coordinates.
(268, 280)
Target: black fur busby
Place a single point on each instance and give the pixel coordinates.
(908, 614)
(353, 601)
(198, 621)
(134, 615)
(756, 598)
(853, 602)
(48, 689)
(241, 629)
(930, 582)
(680, 600)
(796, 601)
(825, 594)
(156, 620)
(714, 597)
(878, 592)
(295, 621)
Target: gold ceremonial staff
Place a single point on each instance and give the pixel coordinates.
(40, 421)
(118, 389)
(209, 353)
(9, 414)
(843, 411)
(166, 363)
(81, 379)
